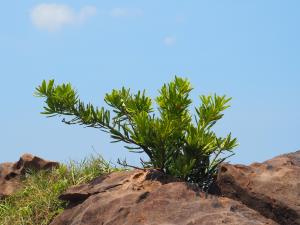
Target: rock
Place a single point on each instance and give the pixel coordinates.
(271, 188)
(149, 197)
(10, 173)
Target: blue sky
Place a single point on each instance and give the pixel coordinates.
(248, 50)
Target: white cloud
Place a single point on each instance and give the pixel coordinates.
(169, 40)
(180, 19)
(126, 12)
(53, 17)
(86, 12)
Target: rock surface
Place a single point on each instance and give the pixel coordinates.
(150, 198)
(10, 173)
(271, 188)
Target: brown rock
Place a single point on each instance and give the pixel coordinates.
(271, 188)
(10, 173)
(150, 198)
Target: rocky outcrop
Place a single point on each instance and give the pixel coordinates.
(150, 198)
(272, 188)
(11, 173)
(258, 194)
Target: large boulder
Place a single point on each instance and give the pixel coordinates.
(11, 173)
(149, 197)
(272, 188)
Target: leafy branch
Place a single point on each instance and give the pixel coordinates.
(173, 142)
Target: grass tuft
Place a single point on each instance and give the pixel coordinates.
(37, 202)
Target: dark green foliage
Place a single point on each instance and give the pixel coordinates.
(175, 142)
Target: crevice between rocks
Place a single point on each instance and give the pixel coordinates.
(75, 199)
(267, 207)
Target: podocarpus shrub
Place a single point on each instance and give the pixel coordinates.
(175, 142)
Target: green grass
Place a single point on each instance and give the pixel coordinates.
(37, 202)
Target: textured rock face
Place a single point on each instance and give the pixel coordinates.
(150, 198)
(271, 188)
(10, 173)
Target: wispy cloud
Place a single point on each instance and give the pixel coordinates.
(86, 12)
(169, 40)
(126, 12)
(180, 19)
(53, 17)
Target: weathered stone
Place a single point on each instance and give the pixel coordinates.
(271, 188)
(150, 198)
(10, 173)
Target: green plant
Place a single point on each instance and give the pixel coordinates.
(37, 201)
(175, 142)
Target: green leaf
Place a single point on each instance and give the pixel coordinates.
(173, 142)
